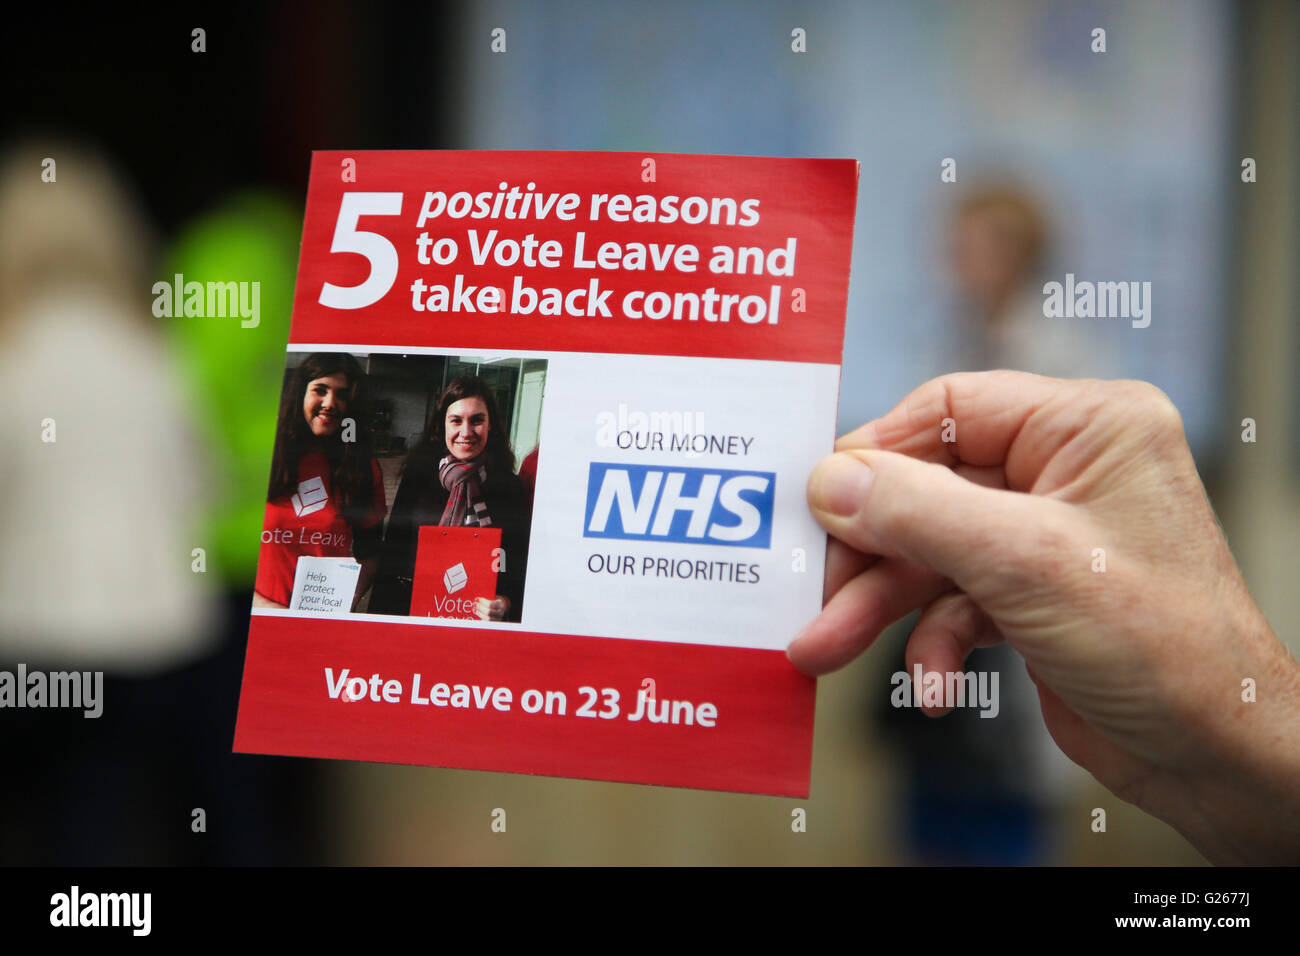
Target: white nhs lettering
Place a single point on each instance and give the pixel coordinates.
(661, 499)
(618, 486)
(673, 501)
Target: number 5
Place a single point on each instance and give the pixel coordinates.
(376, 248)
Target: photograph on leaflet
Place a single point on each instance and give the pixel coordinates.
(402, 484)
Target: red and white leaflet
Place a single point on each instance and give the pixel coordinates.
(690, 312)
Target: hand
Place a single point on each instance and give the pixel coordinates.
(1139, 667)
(365, 578)
(493, 610)
(259, 601)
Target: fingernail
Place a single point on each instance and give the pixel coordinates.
(840, 484)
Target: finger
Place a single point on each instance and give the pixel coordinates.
(985, 477)
(950, 627)
(854, 617)
(883, 503)
(982, 419)
(843, 564)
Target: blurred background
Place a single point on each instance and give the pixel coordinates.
(1000, 150)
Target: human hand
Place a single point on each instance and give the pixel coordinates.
(492, 610)
(260, 601)
(1139, 667)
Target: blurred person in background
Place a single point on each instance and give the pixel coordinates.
(100, 479)
(982, 791)
(107, 486)
(999, 240)
(101, 473)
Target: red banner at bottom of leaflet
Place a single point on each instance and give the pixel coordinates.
(682, 715)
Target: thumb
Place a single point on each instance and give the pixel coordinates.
(880, 502)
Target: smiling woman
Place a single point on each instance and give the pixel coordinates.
(461, 474)
(326, 496)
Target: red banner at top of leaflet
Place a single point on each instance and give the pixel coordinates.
(655, 254)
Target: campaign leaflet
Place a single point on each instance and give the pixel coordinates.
(625, 365)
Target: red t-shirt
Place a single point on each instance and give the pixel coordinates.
(528, 474)
(307, 522)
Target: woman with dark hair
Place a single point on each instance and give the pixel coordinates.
(461, 473)
(326, 496)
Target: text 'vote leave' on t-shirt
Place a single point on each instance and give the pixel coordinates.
(309, 522)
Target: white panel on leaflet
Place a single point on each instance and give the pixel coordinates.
(670, 499)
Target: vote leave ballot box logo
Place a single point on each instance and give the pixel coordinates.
(453, 567)
(639, 355)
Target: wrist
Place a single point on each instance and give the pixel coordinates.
(1243, 801)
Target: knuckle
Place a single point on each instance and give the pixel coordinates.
(957, 613)
(1154, 407)
(923, 409)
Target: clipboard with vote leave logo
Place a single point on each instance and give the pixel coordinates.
(454, 567)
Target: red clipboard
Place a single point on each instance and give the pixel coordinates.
(453, 567)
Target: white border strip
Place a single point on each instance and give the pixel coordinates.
(521, 353)
(506, 627)
(399, 619)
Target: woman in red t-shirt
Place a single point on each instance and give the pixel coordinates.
(326, 497)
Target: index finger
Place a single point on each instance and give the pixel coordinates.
(985, 419)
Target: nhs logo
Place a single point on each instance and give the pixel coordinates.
(696, 505)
